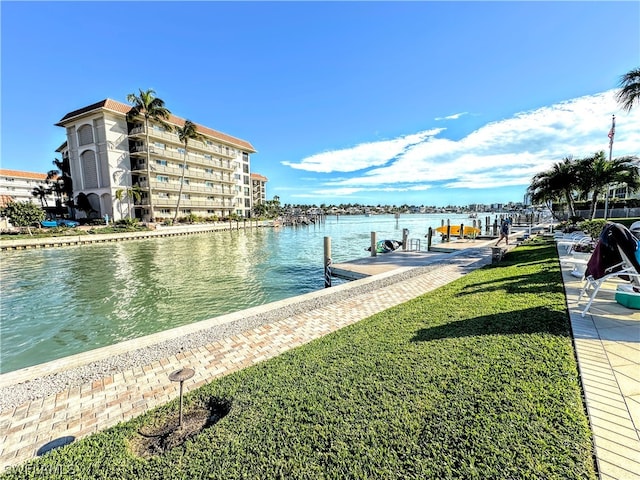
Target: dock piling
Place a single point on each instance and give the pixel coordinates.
(327, 262)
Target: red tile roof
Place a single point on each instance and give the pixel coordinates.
(123, 108)
(257, 176)
(20, 174)
(5, 200)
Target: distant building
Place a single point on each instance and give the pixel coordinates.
(258, 188)
(108, 163)
(18, 186)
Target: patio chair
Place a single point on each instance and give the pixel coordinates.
(616, 256)
(566, 247)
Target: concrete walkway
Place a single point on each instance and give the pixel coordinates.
(607, 343)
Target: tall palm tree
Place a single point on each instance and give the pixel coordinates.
(152, 109)
(597, 172)
(557, 183)
(188, 132)
(629, 93)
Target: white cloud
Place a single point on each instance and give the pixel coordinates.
(360, 157)
(455, 116)
(502, 153)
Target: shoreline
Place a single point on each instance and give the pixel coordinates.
(42, 380)
(160, 231)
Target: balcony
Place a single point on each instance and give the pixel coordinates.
(139, 131)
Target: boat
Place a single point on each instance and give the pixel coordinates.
(454, 230)
(386, 246)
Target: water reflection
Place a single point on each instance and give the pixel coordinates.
(57, 302)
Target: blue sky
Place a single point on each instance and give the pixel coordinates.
(425, 103)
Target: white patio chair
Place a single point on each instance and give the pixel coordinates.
(627, 270)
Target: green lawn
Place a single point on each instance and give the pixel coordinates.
(476, 380)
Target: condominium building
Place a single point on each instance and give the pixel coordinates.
(108, 161)
(258, 188)
(18, 186)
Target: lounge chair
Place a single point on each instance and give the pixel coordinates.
(566, 243)
(616, 256)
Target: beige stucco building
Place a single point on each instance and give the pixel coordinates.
(108, 163)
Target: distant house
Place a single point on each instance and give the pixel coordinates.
(18, 186)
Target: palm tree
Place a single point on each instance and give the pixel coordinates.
(188, 132)
(120, 194)
(597, 172)
(130, 193)
(134, 194)
(41, 194)
(61, 182)
(629, 93)
(151, 108)
(557, 183)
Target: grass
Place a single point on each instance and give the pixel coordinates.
(476, 380)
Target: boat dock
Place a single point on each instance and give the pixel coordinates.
(405, 259)
(411, 258)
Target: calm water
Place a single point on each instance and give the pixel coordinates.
(57, 302)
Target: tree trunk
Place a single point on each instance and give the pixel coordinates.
(184, 168)
(146, 131)
(594, 204)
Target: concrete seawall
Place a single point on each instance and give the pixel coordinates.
(160, 231)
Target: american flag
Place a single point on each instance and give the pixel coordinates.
(612, 132)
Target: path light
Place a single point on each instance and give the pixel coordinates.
(180, 376)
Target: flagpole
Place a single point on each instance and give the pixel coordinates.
(612, 133)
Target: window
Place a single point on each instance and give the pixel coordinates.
(162, 178)
(245, 157)
(208, 184)
(89, 169)
(165, 211)
(163, 195)
(246, 192)
(207, 156)
(161, 162)
(209, 171)
(180, 150)
(85, 135)
(245, 168)
(159, 145)
(186, 196)
(246, 180)
(182, 165)
(186, 181)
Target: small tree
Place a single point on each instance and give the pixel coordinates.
(23, 214)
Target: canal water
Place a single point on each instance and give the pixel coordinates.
(61, 301)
